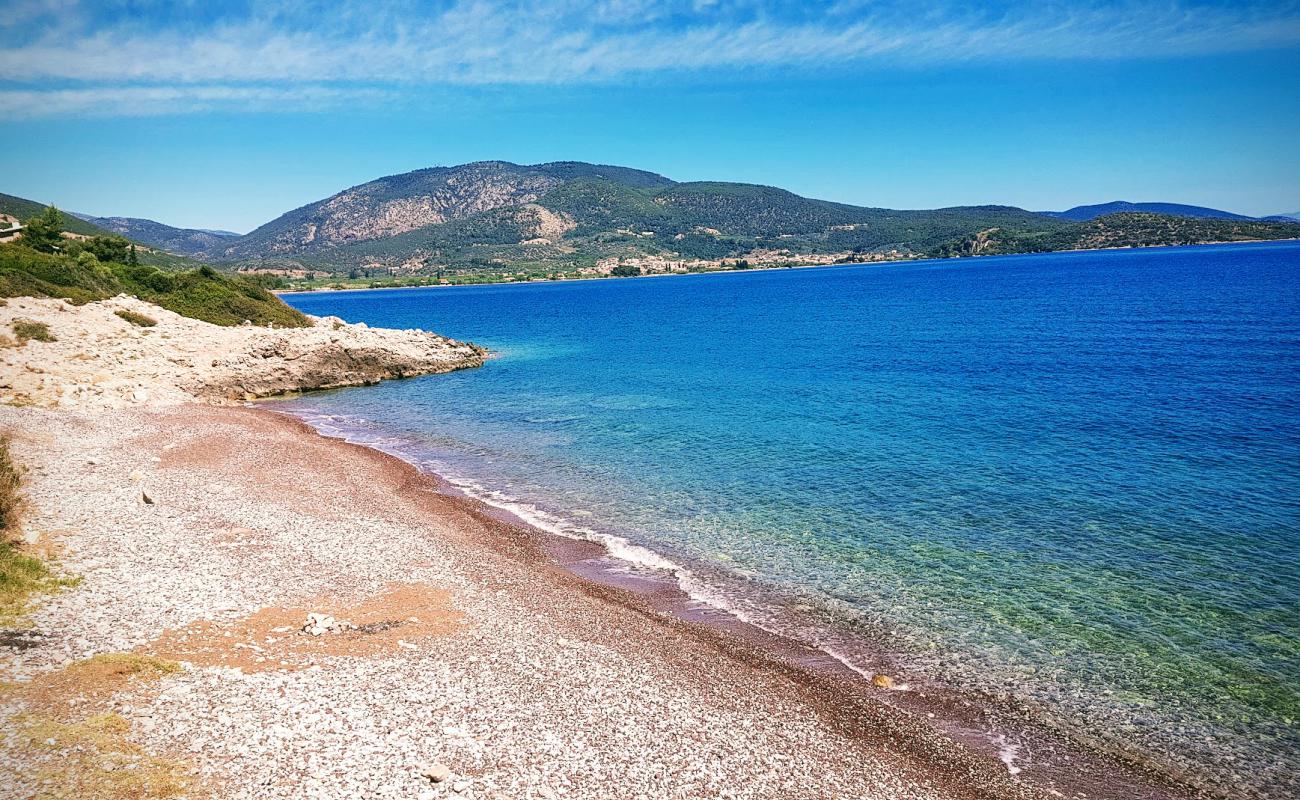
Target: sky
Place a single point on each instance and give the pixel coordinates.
(226, 115)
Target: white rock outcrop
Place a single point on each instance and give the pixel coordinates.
(99, 359)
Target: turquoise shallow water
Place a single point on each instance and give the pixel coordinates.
(1073, 477)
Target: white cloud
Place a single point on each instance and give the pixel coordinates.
(478, 42)
(158, 100)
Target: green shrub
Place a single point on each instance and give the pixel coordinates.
(10, 499)
(203, 293)
(26, 329)
(136, 319)
(21, 575)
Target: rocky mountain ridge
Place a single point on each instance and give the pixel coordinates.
(575, 218)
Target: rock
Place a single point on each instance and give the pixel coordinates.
(460, 786)
(319, 623)
(146, 498)
(882, 681)
(436, 772)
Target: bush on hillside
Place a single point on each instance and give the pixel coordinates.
(202, 294)
(27, 329)
(139, 320)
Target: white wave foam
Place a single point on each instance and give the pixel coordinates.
(689, 583)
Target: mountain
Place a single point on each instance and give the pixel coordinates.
(1085, 213)
(398, 204)
(495, 219)
(1293, 216)
(180, 241)
(496, 215)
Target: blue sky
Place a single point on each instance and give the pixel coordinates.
(225, 115)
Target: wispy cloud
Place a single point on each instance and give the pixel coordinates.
(142, 101)
(171, 57)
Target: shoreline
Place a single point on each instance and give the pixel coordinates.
(990, 728)
(191, 518)
(885, 263)
(537, 678)
(286, 514)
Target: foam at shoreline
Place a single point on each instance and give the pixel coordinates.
(636, 556)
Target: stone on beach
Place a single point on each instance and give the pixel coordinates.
(318, 624)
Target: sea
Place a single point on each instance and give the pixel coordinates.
(1071, 479)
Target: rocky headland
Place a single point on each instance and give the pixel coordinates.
(124, 351)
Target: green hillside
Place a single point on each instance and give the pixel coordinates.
(1134, 229)
(496, 220)
(25, 209)
(705, 221)
(46, 265)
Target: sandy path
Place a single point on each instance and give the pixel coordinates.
(474, 651)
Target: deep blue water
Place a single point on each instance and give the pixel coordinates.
(1073, 477)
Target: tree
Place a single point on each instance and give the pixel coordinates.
(132, 259)
(110, 248)
(625, 271)
(43, 231)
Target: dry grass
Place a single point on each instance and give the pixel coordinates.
(93, 758)
(11, 500)
(21, 574)
(92, 682)
(69, 745)
(28, 329)
(139, 320)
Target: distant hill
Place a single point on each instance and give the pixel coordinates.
(1085, 213)
(1132, 229)
(495, 218)
(148, 253)
(191, 242)
(25, 209)
(1293, 216)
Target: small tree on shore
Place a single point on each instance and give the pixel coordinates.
(43, 231)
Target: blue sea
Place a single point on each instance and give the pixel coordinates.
(1072, 479)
